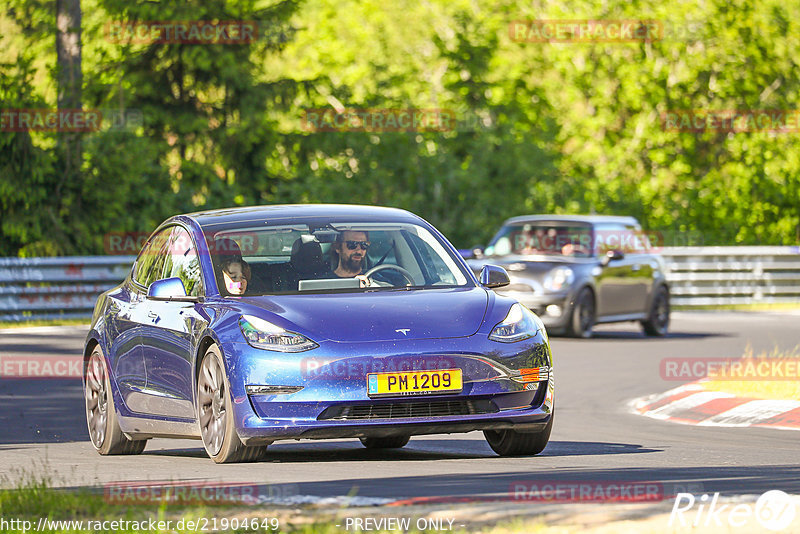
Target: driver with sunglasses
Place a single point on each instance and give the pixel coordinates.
(350, 251)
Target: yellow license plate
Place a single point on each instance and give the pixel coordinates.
(440, 381)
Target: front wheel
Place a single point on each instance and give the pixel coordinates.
(512, 443)
(583, 314)
(215, 415)
(390, 442)
(657, 323)
(101, 414)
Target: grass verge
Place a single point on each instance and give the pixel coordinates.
(33, 505)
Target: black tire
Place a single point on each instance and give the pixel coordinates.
(583, 314)
(214, 413)
(512, 443)
(389, 442)
(657, 323)
(101, 414)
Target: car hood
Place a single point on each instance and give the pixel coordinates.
(381, 315)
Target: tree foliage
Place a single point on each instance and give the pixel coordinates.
(541, 127)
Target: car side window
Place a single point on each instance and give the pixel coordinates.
(150, 262)
(441, 273)
(181, 261)
(608, 237)
(639, 242)
(628, 238)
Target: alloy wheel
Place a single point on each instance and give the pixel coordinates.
(212, 400)
(96, 399)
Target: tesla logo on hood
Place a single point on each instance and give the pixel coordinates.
(403, 331)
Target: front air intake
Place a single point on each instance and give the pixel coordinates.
(406, 410)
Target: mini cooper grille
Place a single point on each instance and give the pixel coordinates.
(400, 410)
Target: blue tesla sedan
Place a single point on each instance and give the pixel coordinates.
(245, 326)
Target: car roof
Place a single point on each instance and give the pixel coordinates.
(279, 212)
(590, 219)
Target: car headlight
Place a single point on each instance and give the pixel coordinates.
(520, 323)
(262, 334)
(558, 279)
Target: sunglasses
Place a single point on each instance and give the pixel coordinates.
(352, 245)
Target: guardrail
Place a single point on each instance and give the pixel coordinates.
(56, 288)
(713, 276)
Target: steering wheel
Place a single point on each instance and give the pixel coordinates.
(378, 268)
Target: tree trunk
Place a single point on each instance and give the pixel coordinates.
(68, 50)
(70, 81)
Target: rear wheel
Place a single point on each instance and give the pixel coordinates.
(583, 314)
(215, 415)
(101, 415)
(657, 323)
(512, 443)
(390, 442)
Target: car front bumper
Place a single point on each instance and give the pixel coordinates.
(334, 403)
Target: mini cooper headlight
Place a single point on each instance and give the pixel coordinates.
(262, 334)
(558, 279)
(520, 323)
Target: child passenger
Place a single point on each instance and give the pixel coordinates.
(235, 274)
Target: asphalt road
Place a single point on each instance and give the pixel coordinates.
(595, 438)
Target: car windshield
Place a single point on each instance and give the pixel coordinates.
(570, 239)
(327, 257)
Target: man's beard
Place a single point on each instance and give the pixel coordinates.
(351, 265)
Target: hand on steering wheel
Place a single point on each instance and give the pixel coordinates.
(378, 268)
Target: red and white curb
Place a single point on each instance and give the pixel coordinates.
(691, 404)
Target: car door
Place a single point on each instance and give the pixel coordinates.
(614, 277)
(124, 352)
(128, 317)
(167, 339)
(622, 283)
(643, 268)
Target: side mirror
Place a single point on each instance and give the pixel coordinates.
(493, 276)
(168, 289)
(613, 255)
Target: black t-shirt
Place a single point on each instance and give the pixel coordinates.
(332, 274)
